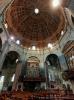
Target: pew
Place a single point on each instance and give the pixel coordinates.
(51, 94)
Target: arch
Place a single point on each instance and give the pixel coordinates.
(9, 67)
(15, 49)
(52, 69)
(53, 61)
(10, 59)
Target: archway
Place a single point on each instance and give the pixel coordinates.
(52, 70)
(53, 61)
(10, 59)
(9, 67)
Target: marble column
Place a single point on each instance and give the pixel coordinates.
(46, 75)
(17, 74)
(5, 49)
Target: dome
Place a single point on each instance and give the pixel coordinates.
(33, 28)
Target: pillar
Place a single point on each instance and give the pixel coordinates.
(3, 54)
(17, 74)
(46, 75)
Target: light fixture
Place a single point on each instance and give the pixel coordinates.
(17, 60)
(62, 33)
(50, 45)
(6, 25)
(2, 78)
(21, 45)
(36, 10)
(12, 38)
(29, 48)
(33, 48)
(18, 42)
(56, 3)
(13, 77)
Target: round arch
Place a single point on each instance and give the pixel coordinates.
(10, 59)
(15, 51)
(52, 70)
(53, 60)
(9, 67)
